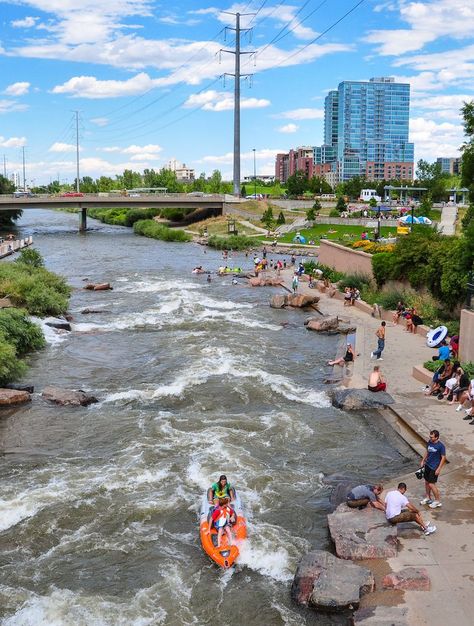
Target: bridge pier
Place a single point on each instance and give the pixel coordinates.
(82, 220)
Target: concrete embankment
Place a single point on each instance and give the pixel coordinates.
(448, 555)
(9, 247)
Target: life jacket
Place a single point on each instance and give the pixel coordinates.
(221, 516)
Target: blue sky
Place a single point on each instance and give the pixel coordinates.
(145, 78)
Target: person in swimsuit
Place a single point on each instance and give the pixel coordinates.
(376, 380)
(347, 358)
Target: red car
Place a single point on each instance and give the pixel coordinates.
(72, 194)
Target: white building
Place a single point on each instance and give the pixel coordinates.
(183, 174)
(16, 180)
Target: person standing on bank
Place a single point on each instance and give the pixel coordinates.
(433, 460)
(380, 333)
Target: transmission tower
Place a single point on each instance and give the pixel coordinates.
(237, 75)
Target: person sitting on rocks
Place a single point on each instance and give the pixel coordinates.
(359, 497)
(399, 509)
(398, 312)
(376, 380)
(347, 358)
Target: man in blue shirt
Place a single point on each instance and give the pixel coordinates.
(433, 460)
(444, 352)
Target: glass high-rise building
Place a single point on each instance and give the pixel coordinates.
(372, 129)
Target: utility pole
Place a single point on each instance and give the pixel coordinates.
(4, 166)
(77, 151)
(254, 174)
(237, 75)
(24, 169)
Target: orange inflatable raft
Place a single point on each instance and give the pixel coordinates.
(225, 555)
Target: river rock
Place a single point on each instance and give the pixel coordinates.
(68, 396)
(381, 616)
(363, 534)
(412, 578)
(326, 583)
(5, 303)
(278, 301)
(265, 281)
(301, 300)
(9, 397)
(18, 387)
(323, 324)
(359, 399)
(57, 323)
(98, 286)
(90, 311)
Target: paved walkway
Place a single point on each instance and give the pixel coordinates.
(448, 555)
(447, 224)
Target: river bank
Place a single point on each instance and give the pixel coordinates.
(449, 553)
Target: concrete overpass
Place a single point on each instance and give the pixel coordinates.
(112, 200)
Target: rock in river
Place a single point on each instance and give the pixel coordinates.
(68, 396)
(56, 322)
(358, 399)
(262, 281)
(9, 397)
(322, 324)
(327, 583)
(98, 286)
(364, 534)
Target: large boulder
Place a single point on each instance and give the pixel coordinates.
(278, 301)
(20, 387)
(363, 534)
(322, 324)
(9, 397)
(91, 311)
(382, 616)
(265, 281)
(58, 323)
(359, 399)
(326, 583)
(68, 396)
(301, 300)
(98, 286)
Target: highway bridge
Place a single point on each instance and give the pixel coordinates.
(110, 200)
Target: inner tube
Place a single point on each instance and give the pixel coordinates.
(435, 336)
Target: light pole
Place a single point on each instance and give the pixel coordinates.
(254, 174)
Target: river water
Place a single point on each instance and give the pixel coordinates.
(99, 505)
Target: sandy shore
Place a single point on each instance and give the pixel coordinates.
(448, 555)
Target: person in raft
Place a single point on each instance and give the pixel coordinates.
(359, 497)
(376, 380)
(347, 358)
(220, 489)
(222, 517)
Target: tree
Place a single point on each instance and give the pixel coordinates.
(6, 186)
(297, 184)
(341, 205)
(318, 184)
(317, 205)
(467, 170)
(311, 214)
(215, 182)
(281, 218)
(243, 191)
(373, 203)
(199, 184)
(87, 185)
(429, 175)
(354, 186)
(130, 180)
(267, 218)
(8, 217)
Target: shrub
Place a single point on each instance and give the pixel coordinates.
(334, 213)
(175, 214)
(134, 215)
(332, 275)
(384, 267)
(233, 242)
(359, 281)
(11, 367)
(30, 256)
(150, 228)
(34, 288)
(432, 366)
(389, 299)
(18, 330)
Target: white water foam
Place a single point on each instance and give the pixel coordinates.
(53, 336)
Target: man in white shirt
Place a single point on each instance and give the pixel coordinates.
(399, 509)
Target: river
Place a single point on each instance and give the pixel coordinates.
(99, 505)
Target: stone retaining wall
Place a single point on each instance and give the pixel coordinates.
(345, 259)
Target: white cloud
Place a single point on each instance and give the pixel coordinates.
(146, 156)
(100, 121)
(92, 88)
(12, 142)
(9, 106)
(150, 148)
(288, 128)
(434, 139)
(62, 147)
(17, 89)
(302, 114)
(27, 22)
(222, 101)
(427, 22)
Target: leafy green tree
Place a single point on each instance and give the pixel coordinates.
(297, 184)
(317, 205)
(7, 218)
(215, 182)
(199, 184)
(373, 203)
(467, 170)
(130, 180)
(243, 191)
(341, 205)
(426, 205)
(6, 186)
(105, 183)
(429, 175)
(468, 217)
(354, 186)
(30, 256)
(311, 214)
(281, 218)
(267, 218)
(318, 184)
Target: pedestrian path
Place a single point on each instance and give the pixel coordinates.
(447, 224)
(448, 555)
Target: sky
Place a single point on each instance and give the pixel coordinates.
(151, 81)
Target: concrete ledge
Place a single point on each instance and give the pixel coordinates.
(422, 374)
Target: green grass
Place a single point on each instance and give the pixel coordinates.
(340, 232)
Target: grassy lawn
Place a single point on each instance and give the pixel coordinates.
(218, 226)
(339, 232)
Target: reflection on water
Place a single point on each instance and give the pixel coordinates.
(99, 505)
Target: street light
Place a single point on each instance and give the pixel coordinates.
(254, 174)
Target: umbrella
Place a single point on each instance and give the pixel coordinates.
(408, 219)
(425, 220)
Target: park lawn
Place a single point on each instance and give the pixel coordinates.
(219, 226)
(339, 232)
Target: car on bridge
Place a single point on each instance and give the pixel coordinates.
(72, 194)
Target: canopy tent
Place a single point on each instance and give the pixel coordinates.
(299, 239)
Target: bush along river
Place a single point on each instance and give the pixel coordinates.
(99, 505)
